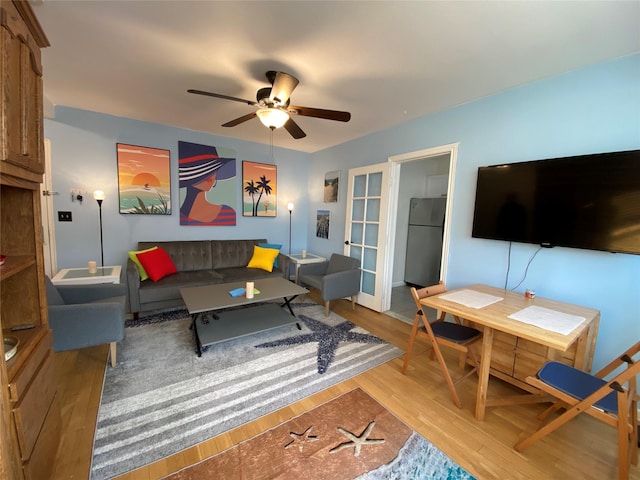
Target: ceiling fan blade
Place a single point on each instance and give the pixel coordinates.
(294, 130)
(320, 113)
(283, 85)
(224, 97)
(239, 120)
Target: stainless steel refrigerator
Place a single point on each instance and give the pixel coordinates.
(424, 241)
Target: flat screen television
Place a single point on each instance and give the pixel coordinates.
(587, 201)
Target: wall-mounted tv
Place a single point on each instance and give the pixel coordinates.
(587, 201)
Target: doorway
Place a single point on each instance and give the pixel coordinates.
(424, 174)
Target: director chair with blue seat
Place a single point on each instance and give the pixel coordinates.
(613, 401)
(438, 332)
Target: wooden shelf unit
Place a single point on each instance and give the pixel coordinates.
(30, 419)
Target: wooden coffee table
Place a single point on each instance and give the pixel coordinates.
(211, 326)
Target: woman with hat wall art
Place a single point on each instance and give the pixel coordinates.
(200, 169)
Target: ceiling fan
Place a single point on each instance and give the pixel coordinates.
(274, 110)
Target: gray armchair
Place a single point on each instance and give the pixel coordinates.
(337, 278)
(86, 315)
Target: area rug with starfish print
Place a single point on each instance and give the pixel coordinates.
(350, 437)
(162, 398)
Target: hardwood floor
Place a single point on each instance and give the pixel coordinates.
(585, 448)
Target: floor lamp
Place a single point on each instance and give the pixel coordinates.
(290, 208)
(99, 196)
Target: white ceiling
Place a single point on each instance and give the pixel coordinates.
(386, 62)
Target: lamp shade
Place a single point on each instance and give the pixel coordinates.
(272, 117)
(98, 195)
(290, 206)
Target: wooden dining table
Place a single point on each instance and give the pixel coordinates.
(468, 303)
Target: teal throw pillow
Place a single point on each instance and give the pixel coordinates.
(275, 247)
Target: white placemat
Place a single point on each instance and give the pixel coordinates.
(548, 319)
(471, 298)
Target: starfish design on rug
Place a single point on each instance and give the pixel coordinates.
(328, 338)
(357, 441)
(301, 439)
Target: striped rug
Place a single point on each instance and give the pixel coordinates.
(161, 398)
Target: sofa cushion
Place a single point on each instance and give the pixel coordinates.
(340, 263)
(243, 274)
(275, 246)
(119, 300)
(314, 281)
(263, 258)
(169, 287)
(232, 253)
(134, 258)
(188, 255)
(157, 263)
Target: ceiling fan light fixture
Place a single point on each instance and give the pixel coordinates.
(273, 106)
(272, 117)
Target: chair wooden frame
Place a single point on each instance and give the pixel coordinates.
(625, 421)
(422, 327)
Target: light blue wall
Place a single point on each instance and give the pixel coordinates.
(83, 156)
(596, 109)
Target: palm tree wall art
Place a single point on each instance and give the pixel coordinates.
(259, 193)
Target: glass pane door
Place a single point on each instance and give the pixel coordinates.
(366, 220)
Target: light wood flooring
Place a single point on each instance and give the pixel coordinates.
(583, 449)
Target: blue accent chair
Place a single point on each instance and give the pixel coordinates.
(337, 278)
(86, 315)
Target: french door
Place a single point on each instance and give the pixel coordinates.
(46, 209)
(367, 204)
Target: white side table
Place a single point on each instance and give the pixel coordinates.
(81, 276)
(297, 259)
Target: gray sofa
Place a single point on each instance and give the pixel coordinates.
(199, 262)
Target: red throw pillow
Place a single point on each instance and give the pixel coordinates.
(157, 263)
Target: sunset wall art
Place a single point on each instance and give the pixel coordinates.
(144, 180)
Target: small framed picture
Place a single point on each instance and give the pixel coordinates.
(322, 223)
(331, 184)
(259, 192)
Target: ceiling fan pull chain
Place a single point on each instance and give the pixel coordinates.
(271, 142)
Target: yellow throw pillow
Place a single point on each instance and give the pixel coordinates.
(134, 259)
(263, 258)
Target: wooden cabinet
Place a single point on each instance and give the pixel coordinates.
(29, 410)
(513, 359)
(22, 144)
